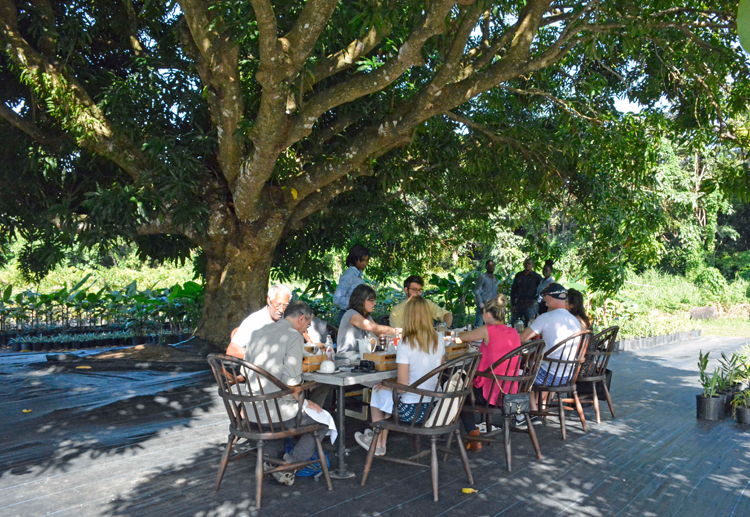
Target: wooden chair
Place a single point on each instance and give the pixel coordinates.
(513, 373)
(563, 370)
(594, 368)
(243, 398)
(442, 419)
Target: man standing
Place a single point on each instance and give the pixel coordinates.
(523, 293)
(277, 301)
(413, 286)
(485, 290)
(277, 348)
(553, 326)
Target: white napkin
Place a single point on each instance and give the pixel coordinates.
(324, 417)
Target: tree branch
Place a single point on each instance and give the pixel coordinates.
(74, 108)
(48, 42)
(316, 202)
(524, 148)
(44, 137)
(410, 54)
(307, 29)
(564, 105)
(344, 58)
(135, 43)
(218, 65)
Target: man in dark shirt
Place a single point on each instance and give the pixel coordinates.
(523, 293)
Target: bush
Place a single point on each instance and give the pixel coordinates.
(711, 279)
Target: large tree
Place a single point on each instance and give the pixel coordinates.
(230, 125)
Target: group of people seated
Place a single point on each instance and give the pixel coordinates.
(273, 338)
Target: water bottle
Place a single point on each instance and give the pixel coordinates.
(329, 348)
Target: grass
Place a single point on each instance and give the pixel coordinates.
(726, 327)
(655, 303)
(110, 278)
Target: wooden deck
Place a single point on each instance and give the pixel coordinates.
(156, 452)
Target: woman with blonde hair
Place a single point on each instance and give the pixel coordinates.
(419, 352)
(497, 340)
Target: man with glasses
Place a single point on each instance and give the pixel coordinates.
(277, 348)
(414, 286)
(276, 303)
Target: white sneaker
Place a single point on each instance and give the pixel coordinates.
(364, 439)
(283, 478)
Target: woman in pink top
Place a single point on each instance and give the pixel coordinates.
(497, 340)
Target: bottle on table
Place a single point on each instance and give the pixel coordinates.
(329, 347)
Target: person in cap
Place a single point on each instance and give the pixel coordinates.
(553, 326)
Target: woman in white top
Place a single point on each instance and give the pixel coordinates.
(357, 323)
(419, 352)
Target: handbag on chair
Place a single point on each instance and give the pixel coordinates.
(513, 403)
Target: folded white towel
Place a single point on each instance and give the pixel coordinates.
(324, 417)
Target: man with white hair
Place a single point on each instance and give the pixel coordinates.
(276, 303)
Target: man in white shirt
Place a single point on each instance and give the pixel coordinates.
(553, 326)
(277, 301)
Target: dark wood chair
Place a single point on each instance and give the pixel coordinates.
(245, 397)
(562, 371)
(594, 368)
(513, 373)
(455, 379)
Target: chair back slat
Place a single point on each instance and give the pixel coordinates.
(244, 387)
(600, 349)
(454, 381)
(513, 373)
(563, 370)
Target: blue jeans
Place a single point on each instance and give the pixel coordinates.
(526, 313)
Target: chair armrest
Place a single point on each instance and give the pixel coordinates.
(304, 386)
(388, 383)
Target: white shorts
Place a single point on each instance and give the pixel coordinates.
(383, 400)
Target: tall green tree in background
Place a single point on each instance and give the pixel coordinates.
(263, 130)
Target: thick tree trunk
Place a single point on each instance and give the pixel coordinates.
(236, 282)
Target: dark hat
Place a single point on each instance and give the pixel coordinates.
(556, 291)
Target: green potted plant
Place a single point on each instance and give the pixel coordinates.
(728, 384)
(709, 405)
(741, 407)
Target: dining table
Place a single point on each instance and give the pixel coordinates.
(340, 380)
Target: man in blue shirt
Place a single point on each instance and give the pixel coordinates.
(485, 290)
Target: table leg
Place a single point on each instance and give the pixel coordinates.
(341, 472)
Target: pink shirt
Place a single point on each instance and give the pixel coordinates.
(503, 340)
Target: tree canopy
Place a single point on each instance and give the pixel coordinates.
(270, 131)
